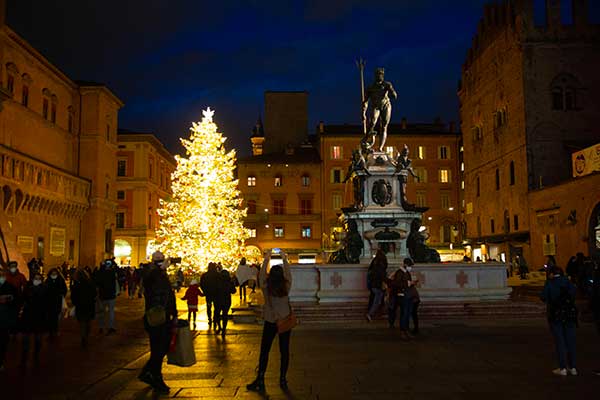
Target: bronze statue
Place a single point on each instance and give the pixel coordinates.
(351, 248)
(403, 168)
(417, 249)
(379, 96)
(357, 171)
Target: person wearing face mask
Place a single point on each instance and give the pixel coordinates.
(34, 318)
(16, 278)
(56, 291)
(159, 319)
(8, 314)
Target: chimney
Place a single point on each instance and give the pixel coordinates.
(553, 14)
(403, 123)
(580, 9)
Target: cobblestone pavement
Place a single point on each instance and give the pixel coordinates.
(451, 360)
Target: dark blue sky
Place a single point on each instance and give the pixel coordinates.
(169, 59)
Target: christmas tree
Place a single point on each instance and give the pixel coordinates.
(203, 221)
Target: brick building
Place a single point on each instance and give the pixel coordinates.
(144, 168)
(529, 97)
(57, 146)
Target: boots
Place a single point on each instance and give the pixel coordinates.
(258, 385)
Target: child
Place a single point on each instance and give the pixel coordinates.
(191, 295)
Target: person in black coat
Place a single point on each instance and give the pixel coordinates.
(9, 311)
(83, 297)
(56, 288)
(159, 296)
(209, 282)
(106, 281)
(34, 318)
(225, 288)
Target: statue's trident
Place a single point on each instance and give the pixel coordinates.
(360, 63)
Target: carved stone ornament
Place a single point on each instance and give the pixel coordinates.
(382, 192)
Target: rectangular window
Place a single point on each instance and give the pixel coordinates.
(10, 84)
(251, 207)
(462, 167)
(53, 113)
(306, 232)
(305, 206)
(279, 207)
(462, 185)
(305, 180)
(336, 175)
(278, 231)
(336, 201)
(497, 179)
(477, 187)
(122, 168)
(516, 222)
(25, 96)
(421, 199)
(445, 234)
(421, 152)
(251, 181)
(492, 226)
(45, 106)
(336, 152)
(120, 220)
(278, 181)
(252, 232)
(444, 176)
(443, 153)
(445, 200)
(422, 174)
(120, 195)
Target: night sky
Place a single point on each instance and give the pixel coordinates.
(169, 59)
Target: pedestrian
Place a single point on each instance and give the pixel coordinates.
(275, 286)
(33, 267)
(415, 299)
(16, 278)
(159, 321)
(559, 296)
(401, 297)
(376, 276)
(522, 266)
(244, 273)
(56, 290)
(191, 296)
(83, 297)
(225, 288)
(131, 282)
(9, 311)
(34, 318)
(208, 284)
(571, 270)
(179, 279)
(106, 281)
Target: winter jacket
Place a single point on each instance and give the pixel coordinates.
(56, 290)
(225, 288)
(209, 282)
(106, 281)
(399, 283)
(18, 281)
(83, 297)
(191, 295)
(9, 310)
(376, 274)
(158, 292)
(551, 292)
(34, 318)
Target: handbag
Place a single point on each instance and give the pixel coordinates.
(182, 352)
(156, 316)
(287, 323)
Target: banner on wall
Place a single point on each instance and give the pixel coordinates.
(57, 241)
(586, 161)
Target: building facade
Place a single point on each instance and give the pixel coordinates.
(528, 99)
(57, 147)
(434, 150)
(143, 169)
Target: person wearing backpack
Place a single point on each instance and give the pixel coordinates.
(559, 296)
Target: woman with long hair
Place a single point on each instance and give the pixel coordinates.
(276, 286)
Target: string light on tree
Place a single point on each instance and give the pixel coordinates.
(203, 221)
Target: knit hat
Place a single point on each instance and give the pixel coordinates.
(158, 256)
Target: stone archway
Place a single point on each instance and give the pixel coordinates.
(594, 233)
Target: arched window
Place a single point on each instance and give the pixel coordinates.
(251, 207)
(53, 108)
(46, 103)
(512, 172)
(11, 72)
(564, 90)
(305, 179)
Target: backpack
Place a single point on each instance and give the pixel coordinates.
(564, 310)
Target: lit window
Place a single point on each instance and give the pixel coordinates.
(462, 166)
(278, 231)
(122, 168)
(443, 153)
(336, 175)
(445, 200)
(305, 180)
(251, 180)
(120, 195)
(120, 220)
(252, 232)
(444, 176)
(336, 201)
(306, 232)
(421, 152)
(336, 152)
(251, 207)
(462, 185)
(278, 181)
(389, 150)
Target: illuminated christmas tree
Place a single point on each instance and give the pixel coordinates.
(203, 221)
